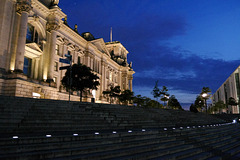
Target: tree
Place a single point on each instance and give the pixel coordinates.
(205, 93)
(165, 95)
(206, 90)
(193, 108)
(156, 91)
(173, 103)
(126, 97)
(138, 100)
(218, 106)
(153, 104)
(232, 102)
(199, 102)
(82, 79)
(114, 92)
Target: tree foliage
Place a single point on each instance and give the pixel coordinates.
(114, 92)
(146, 102)
(138, 100)
(206, 90)
(173, 103)
(156, 91)
(164, 94)
(199, 102)
(193, 108)
(82, 79)
(232, 101)
(206, 93)
(126, 97)
(217, 107)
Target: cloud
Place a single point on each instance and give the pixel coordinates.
(146, 35)
(180, 72)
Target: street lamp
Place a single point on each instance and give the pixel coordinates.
(204, 95)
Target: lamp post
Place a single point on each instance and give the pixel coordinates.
(204, 95)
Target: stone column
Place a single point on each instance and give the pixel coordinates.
(36, 68)
(124, 81)
(52, 27)
(33, 67)
(130, 81)
(51, 55)
(92, 65)
(120, 79)
(23, 8)
(87, 59)
(103, 78)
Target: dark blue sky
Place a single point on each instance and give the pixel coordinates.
(184, 44)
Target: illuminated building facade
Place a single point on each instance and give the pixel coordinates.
(230, 88)
(34, 34)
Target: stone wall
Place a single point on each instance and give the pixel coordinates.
(23, 88)
(1, 85)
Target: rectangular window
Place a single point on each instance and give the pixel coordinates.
(79, 60)
(27, 66)
(57, 49)
(55, 66)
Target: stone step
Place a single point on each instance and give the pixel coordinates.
(199, 156)
(157, 152)
(87, 146)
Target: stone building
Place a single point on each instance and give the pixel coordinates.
(230, 88)
(34, 34)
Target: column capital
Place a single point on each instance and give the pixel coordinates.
(52, 26)
(23, 6)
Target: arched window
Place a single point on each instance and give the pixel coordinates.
(32, 34)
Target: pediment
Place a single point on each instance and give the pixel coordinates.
(32, 50)
(100, 44)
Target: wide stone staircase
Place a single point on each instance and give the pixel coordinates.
(32, 129)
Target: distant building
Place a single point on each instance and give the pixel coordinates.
(230, 88)
(34, 34)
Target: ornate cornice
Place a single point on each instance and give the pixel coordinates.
(23, 6)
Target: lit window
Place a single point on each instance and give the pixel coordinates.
(55, 66)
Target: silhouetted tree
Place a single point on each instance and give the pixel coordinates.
(232, 101)
(193, 108)
(156, 91)
(114, 92)
(219, 105)
(82, 79)
(126, 97)
(146, 102)
(138, 100)
(173, 103)
(206, 93)
(165, 95)
(199, 102)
